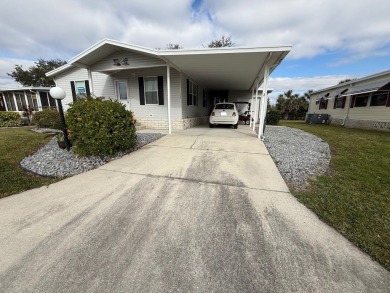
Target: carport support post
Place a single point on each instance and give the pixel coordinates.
(256, 106)
(169, 98)
(251, 112)
(264, 100)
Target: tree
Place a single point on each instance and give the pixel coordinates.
(291, 105)
(223, 42)
(35, 75)
(173, 46)
(286, 103)
(307, 95)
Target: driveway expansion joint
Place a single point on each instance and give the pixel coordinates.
(195, 181)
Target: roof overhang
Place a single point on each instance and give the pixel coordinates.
(214, 68)
(383, 85)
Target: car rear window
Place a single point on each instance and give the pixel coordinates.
(224, 106)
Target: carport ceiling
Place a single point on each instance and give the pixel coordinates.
(228, 68)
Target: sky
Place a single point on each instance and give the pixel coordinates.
(332, 40)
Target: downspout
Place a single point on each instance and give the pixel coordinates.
(349, 107)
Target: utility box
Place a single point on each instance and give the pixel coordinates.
(317, 118)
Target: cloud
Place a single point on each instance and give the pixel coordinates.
(8, 65)
(63, 28)
(311, 26)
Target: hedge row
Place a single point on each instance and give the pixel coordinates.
(48, 118)
(10, 119)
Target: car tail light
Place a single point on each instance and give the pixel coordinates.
(234, 114)
(213, 114)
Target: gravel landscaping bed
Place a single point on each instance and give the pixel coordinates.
(51, 160)
(298, 155)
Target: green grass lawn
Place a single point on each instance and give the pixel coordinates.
(354, 197)
(15, 144)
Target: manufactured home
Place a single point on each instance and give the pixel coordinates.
(359, 103)
(168, 89)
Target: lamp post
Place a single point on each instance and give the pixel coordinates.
(59, 94)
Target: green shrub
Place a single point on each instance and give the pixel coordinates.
(10, 119)
(48, 118)
(273, 117)
(100, 127)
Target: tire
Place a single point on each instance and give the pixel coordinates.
(211, 125)
(247, 122)
(235, 126)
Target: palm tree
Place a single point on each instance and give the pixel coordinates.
(287, 103)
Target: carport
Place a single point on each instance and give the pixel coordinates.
(229, 69)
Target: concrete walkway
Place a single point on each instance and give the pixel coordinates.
(202, 210)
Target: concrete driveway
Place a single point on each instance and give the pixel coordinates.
(202, 210)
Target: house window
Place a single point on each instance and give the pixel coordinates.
(339, 102)
(323, 104)
(151, 90)
(361, 100)
(192, 98)
(379, 99)
(121, 90)
(80, 87)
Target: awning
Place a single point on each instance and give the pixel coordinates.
(383, 85)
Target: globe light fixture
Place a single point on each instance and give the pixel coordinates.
(59, 94)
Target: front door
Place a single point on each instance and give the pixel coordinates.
(122, 93)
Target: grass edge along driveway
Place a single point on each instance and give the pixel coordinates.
(15, 144)
(354, 197)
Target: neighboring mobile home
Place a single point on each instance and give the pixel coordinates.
(167, 88)
(20, 99)
(360, 103)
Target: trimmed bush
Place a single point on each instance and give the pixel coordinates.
(100, 127)
(273, 117)
(10, 119)
(48, 118)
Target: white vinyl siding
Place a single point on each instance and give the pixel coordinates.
(153, 111)
(134, 61)
(63, 81)
(193, 111)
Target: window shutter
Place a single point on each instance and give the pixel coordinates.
(73, 91)
(160, 85)
(335, 103)
(141, 91)
(87, 90)
(388, 100)
(352, 101)
(188, 93)
(344, 99)
(326, 104)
